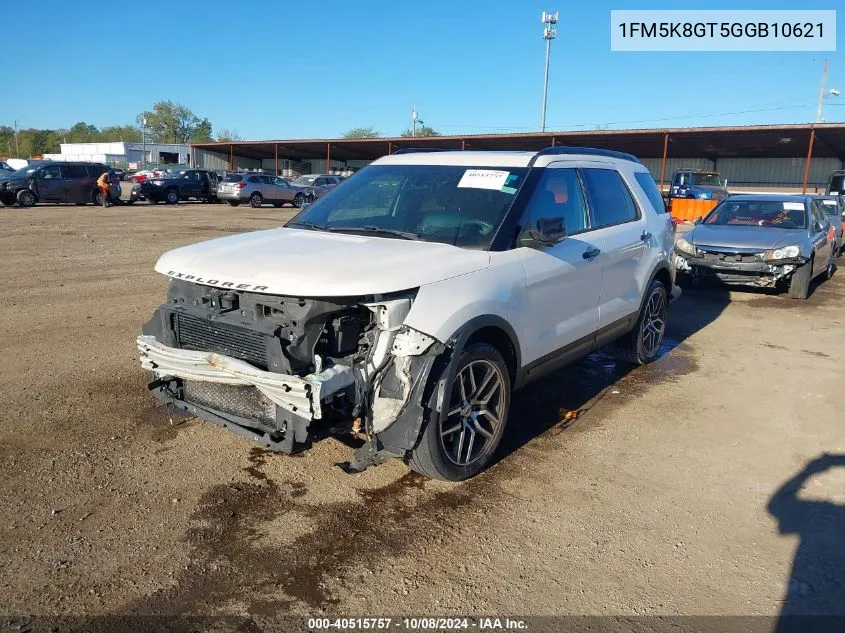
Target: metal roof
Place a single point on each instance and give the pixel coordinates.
(766, 141)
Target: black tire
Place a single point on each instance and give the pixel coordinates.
(80, 204)
(799, 283)
(172, 196)
(26, 198)
(256, 200)
(831, 267)
(278, 205)
(128, 202)
(438, 453)
(642, 344)
(298, 200)
(234, 203)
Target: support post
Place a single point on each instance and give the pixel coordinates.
(231, 157)
(663, 164)
(463, 143)
(276, 145)
(389, 147)
(553, 141)
(809, 159)
(328, 157)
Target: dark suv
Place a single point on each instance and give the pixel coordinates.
(53, 182)
(181, 184)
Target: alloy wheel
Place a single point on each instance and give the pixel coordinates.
(478, 404)
(654, 322)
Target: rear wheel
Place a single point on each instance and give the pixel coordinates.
(172, 196)
(26, 198)
(799, 284)
(255, 200)
(642, 344)
(461, 441)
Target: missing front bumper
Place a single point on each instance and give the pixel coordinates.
(760, 274)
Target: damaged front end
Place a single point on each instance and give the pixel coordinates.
(737, 268)
(285, 371)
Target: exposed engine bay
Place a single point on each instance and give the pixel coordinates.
(285, 371)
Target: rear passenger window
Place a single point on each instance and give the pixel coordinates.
(610, 201)
(253, 179)
(75, 171)
(651, 191)
(558, 195)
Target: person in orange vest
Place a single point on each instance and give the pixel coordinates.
(104, 183)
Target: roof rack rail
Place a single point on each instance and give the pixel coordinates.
(416, 150)
(591, 151)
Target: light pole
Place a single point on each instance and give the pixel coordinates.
(549, 33)
(414, 120)
(144, 141)
(824, 93)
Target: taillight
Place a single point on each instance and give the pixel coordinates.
(241, 185)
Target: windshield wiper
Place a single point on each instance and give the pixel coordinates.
(407, 235)
(310, 225)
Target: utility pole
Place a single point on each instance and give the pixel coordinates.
(549, 33)
(17, 148)
(144, 141)
(414, 120)
(824, 93)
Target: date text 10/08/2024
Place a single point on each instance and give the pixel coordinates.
(417, 624)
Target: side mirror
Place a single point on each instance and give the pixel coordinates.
(697, 220)
(547, 231)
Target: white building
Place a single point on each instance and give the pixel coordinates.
(121, 154)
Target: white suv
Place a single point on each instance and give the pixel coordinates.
(408, 305)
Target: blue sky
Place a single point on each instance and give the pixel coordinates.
(303, 70)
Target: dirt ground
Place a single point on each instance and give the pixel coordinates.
(657, 499)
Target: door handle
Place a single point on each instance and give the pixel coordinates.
(591, 253)
(646, 236)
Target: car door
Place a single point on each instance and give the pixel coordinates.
(283, 191)
(620, 233)
(76, 183)
(563, 280)
(50, 184)
(820, 234)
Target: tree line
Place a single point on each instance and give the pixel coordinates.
(165, 122)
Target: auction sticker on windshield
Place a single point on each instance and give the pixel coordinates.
(793, 206)
(483, 179)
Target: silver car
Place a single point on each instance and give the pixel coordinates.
(317, 184)
(759, 240)
(834, 208)
(257, 189)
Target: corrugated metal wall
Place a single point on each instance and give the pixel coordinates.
(672, 164)
(768, 172)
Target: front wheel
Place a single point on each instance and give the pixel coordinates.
(642, 344)
(799, 284)
(172, 196)
(26, 198)
(298, 200)
(461, 441)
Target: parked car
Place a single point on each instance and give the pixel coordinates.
(699, 184)
(53, 182)
(759, 240)
(141, 176)
(256, 189)
(317, 184)
(833, 208)
(416, 298)
(119, 172)
(5, 167)
(184, 184)
(836, 184)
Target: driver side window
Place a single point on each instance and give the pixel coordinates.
(51, 172)
(559, 194)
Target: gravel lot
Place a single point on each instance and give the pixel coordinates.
(655, 500)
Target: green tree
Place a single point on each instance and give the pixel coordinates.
(170, 122)
(81, 133)
(422, 130)
(202, 132)
(44, 142)
(226, 136)
(127, 133)
(362, 132)
(7, 140)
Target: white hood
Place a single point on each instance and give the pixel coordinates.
(307, 263)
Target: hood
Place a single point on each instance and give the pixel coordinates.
(307, 263)
(741, 237)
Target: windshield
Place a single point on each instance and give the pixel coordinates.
(708, 180)
(830, 206)
(305, 180)
(773, 213)
(443, 203)
(24, 172)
